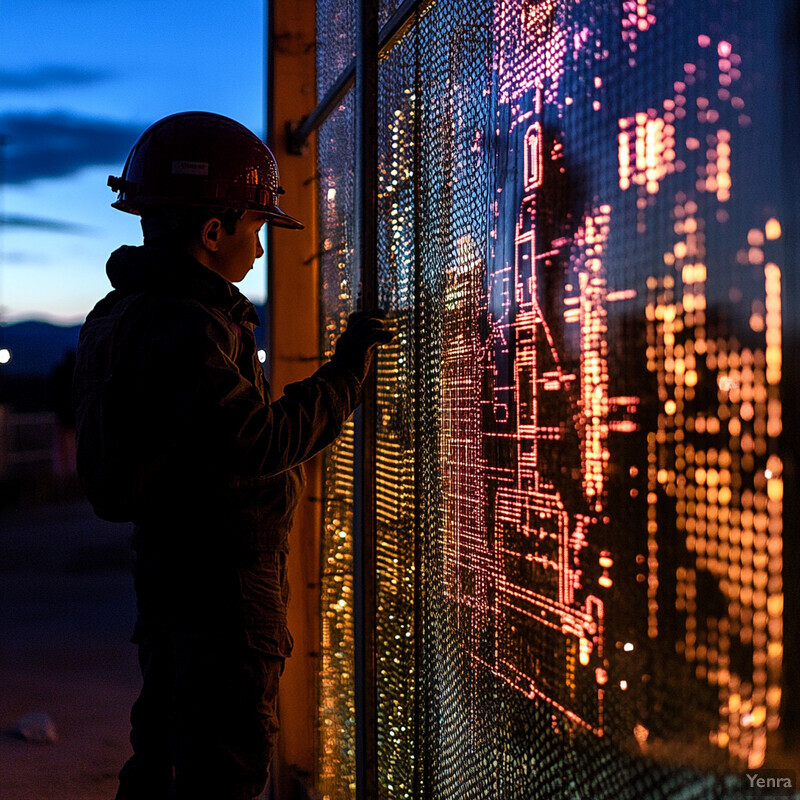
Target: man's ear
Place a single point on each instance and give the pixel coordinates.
(209, 234)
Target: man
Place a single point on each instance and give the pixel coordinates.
(177, 432)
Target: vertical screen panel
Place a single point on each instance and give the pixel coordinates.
(580, 459)
(396, 429)
(454, 177)
(336, 40)
(336, 744)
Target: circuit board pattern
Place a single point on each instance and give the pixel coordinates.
(580, 486)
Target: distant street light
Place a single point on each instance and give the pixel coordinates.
(5, 355)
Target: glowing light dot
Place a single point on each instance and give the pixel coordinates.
(623, 685)
(628, 647)
(703, 40)
(773, 229)
(5, 355)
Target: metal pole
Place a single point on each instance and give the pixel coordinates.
(269, 120)
(366, 220)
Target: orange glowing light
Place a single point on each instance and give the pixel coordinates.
(772, 229)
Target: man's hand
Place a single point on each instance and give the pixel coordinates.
(356, 346)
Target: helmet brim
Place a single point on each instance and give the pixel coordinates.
(280, 219)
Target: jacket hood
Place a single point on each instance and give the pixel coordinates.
(136, 269)
(160, 271)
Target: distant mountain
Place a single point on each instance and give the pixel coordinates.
(36, 347)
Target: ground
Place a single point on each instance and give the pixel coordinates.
(66, 613)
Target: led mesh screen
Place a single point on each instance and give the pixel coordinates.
(336, 742)
(579, 457)
(336, 44)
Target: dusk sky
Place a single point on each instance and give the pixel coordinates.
(79, 81)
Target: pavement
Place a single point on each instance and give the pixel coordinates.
(67, 609)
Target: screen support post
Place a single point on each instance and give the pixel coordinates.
(364, 584)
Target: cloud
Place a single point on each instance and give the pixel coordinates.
(57, 144)
(42, 224)
(48, 77)
(17, 257)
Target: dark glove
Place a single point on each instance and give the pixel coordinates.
(356, 347)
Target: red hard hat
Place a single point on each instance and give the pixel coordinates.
(201, 159)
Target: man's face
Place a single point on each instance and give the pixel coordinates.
(238, 250)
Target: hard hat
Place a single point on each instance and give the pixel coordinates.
(203, 160)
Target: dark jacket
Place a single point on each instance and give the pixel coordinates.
(177, 429)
